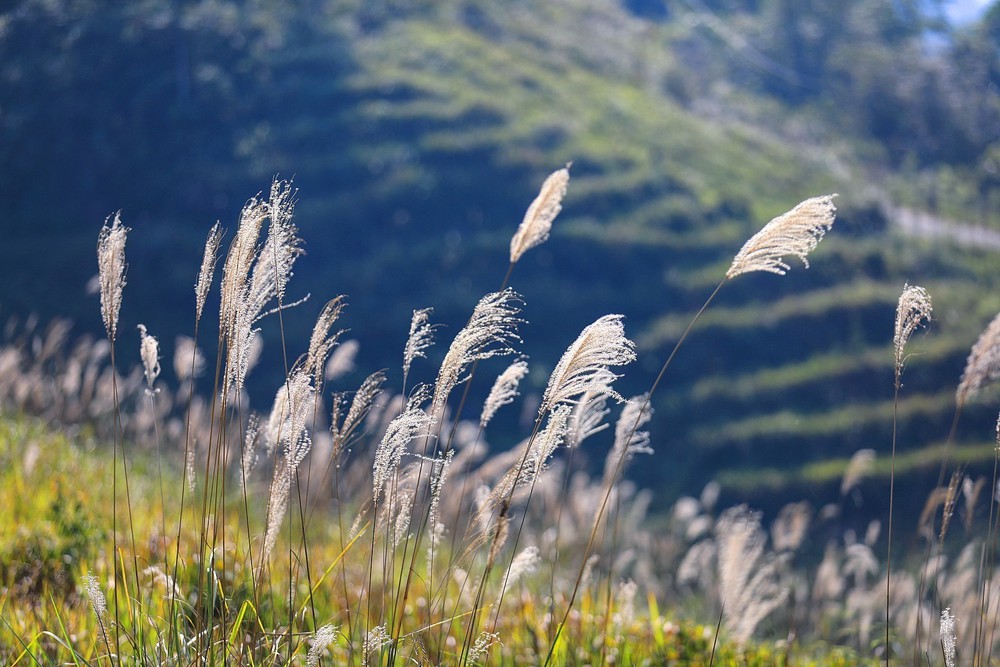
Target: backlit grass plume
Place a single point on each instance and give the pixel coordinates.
(504, 390)
(748, 578)
(534, 229)
(983, 364)
(586, 364)
(912, 311)
(149, 351)
(207, 270)
(253, 276)
(323, 338)
(797, 233)
(111, 271)
(491, 332)
(412, 423)
(421, 337)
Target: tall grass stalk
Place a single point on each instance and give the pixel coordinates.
(912, 311)
(248, 588)
(795, 233)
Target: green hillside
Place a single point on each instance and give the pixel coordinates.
(417, 134)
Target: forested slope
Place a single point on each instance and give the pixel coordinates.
(418, 132)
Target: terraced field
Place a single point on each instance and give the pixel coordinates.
(417, 141)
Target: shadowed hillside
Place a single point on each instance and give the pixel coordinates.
(418, 134)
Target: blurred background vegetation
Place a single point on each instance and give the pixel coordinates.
(418, 132)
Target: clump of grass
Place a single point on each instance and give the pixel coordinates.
(372, 526)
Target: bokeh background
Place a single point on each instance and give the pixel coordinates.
(418, 132)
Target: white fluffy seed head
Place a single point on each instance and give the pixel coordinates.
(111, 271)
(983, 364)
(323, 638)
(795, 233)
(207, 271)
(421, 337)
(629, 440)
(324, 339)
(537, 223)
(412, 423)
(948, 636)
(491, 331)
(149, 351)
(585, 366)
(912, 311)
(504, 390)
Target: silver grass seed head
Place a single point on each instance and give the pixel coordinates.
(281, 248)
(149, 351)
(912, 311)
(587, 418)
(491, 332)
(795, 233)
(534, 229)
(376, 638)
(421, 337)
(504, 390)
(360, 406)
(629, 440)
(524, 563)
(549, 439)
(948, 636)
(983, 363)
(189, 360)
(323, 638)
(342, 360)
(859, 466)
(323, 340)
(585, 366)
(239, 261)
(111, 271)
(207, 271)
(97, 600)
(482, 646)
(412, 423)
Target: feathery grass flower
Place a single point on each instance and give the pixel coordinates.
(534, 228)
(983, 363)
(912, 311)
(504, 390)
(111, 271)
(585, 366)
(421, 337)
(796, 232)
(491, 332)
(207, 270)
(149, 350)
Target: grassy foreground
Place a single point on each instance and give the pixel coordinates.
(379, 526)
(56, 491)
